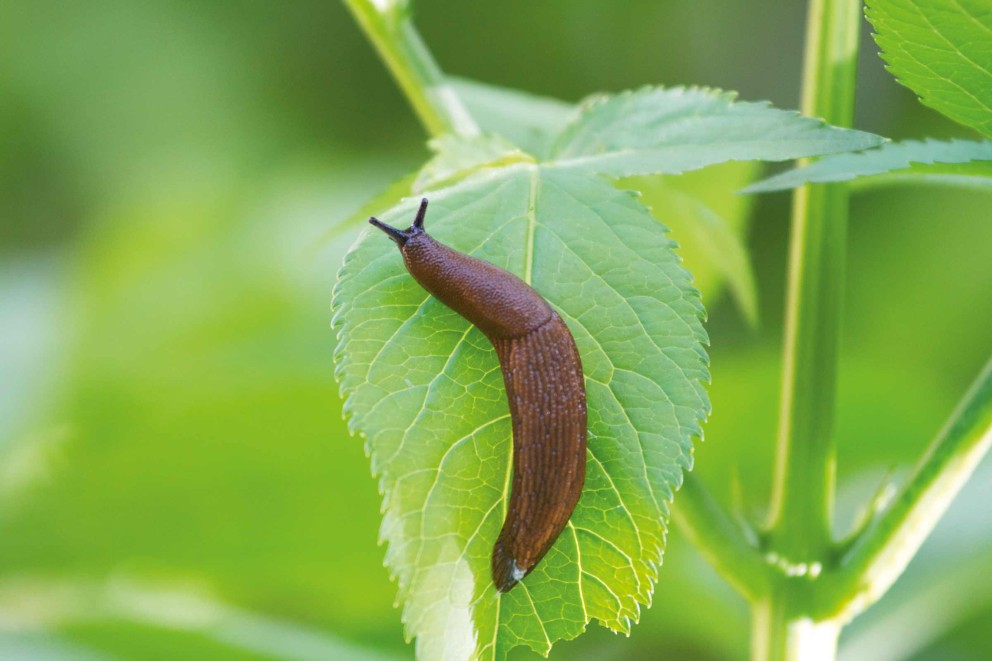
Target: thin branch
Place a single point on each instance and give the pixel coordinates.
(875, 561)
(388, 26)
(723, 542)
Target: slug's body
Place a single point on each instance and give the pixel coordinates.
(544, 386)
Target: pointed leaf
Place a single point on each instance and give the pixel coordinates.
(424, 388)
(703, 230)
(669, 131)
(942, 50)
(912, 157)
(529, 121)
(713, 238)
(709, 220)
(457, 157)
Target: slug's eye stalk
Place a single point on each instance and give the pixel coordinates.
(418, 222)
(401, 236)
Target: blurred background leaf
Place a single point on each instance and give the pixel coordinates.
(168, 414)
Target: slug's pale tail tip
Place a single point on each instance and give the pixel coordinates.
(506, 571)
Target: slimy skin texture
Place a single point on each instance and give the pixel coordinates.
(544, 387)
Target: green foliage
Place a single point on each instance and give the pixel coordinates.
(708, 218)
(963, 162)
(709, 233)
(941, 50)
(425, 390)
(458, 157)
(529, 121)
(878, 559)
(654, 130)
(670, 131)
(170, 416)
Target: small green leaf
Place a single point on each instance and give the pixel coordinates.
(457, 157)
(424, 387)
(965, 160)
(942, 50)
(669, 131)
(714, 239)
(709, 220)
(530, 122)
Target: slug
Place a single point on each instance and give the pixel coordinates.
(544, 387)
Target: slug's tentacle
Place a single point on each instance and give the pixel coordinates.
(400, 237)
(544, 385)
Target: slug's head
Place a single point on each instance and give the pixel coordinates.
(402, 236)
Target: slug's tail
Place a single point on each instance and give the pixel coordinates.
(545, 390)
(506, 571)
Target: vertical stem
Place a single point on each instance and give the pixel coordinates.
(783, 628)
(780, 633)
(803, 491)
(388, 26)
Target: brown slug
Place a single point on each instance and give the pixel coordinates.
(544, 387)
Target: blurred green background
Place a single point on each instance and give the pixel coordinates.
(175, 477)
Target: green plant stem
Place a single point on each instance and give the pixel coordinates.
(880, 555)
(803, 490)
(720, 539)
(801, 510)
(780, 630)
(388, 26)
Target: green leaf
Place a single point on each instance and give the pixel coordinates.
(717, 242)
(670, 131)
(531, 122)
(965, 160)
(942, 50)
(457, 157)
(709, 220)
(424, 388)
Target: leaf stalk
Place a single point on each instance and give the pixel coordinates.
(722, 541)
(389, 26)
